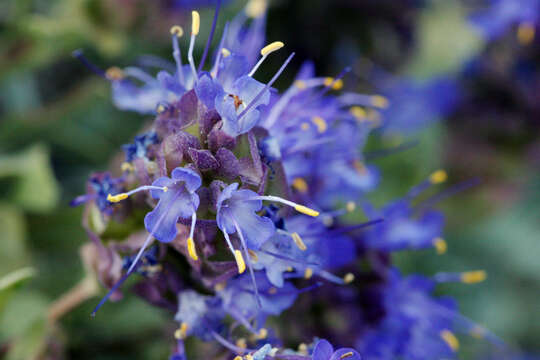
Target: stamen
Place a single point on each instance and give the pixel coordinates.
(195, 25)
(438, 177)
(181, 333)
(298, 241)
(221, 51)
(526, 32)
(114, 73)
(210, 36)
(301, 84)
(440, 245)
(122, 196)
(304, 126)
(348, 278)
(253, 255)
(308, 273)
(351, 206)
(241, 343)
(300, 184)
(237, 357)
(78, 54)
(225, 52)
(379, 101)
(263, 333)
(303, 349)
(177, 32)
(450, 339)
(127, 167)
(336, 84)
(265, 51)
(274, 78)
(346, 355)
(251, 272)
(320, 123)
(256, 8)
(473, 277)
(190, 243)
(300, 208)
(239, 261)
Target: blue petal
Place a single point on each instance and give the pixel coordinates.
(207, 90)
(232, 67)
(323, 350)
(191, 179)
(340, 352)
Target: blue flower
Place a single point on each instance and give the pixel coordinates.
(199, 315)
(139, 147)
(323, 350)
(179, 200)
(99, 187)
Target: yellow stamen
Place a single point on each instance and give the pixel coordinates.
(348, 278)
(300, 184)
(379, 101)
(270, 48)
(239, 261)
(237, 357)
(336, 84)
(117, 198)
(272, 290)
(181, 333)
(351, 206)
(290, 268)
(114, 73)
(177, 30)
(302, 349)
(195, 22)
(298, 241)
(263, 333)
(438, 177)
(126, 167)
(450, 339)
(256, 8)
(241, 343)
(360, 167)
(320, 123)
(253, 255)
(359, 113)
(525, 33)
(191, 249)
(307, 211)
(440, 245)
(473, 277)
(301, 84)
(304, 126)
(249, 357)
(225, 52)
(220, 286)
(308, 273)
(346, 355)
(478, 332)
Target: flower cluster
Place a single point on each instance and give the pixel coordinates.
(243, 191)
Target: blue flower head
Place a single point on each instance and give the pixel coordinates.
(139, 147)
(100, 186)
(199, 315)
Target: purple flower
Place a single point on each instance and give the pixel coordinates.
(323, 350)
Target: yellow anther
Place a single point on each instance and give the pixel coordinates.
(358, 112)
(195, 22)
(225, 52)
(263, 333)
(220, 286)
(450, 339)
(300, 184)
(181, 333)
(307, 211)
(165, 189)
(177, 30)
(440, 245)
(525, 33)
(290, 268)
(270, 48)
(336, 84)
(298, 241)
(379, 101)
(301, 84)
(160, 109)
(304, 126)
(256, 8)
(473, 277)
(477, 332)
(348, 278)
(241, 343)
(239, 261)
(116, 198)
(302, 349)
(346, 355)
(249, 357)
(272, 290)
(114, 73)
(237, 357)
(438, 177)
(320, 123)
(308, 273)
(253, 255)
(126, 167)
(351, 206)
(191, 249)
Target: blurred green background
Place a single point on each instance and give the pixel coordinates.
(57, 125)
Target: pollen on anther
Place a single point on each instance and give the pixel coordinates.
(126, 167)
(346, 355)
(320, 123)
(253, 255)
(263, 333)
(525, 33)
(438, 177)
(379, 101)
(114, 73)
(304, 126)
(358, 112)
(450, 339)
(473, 277)
(300, 184)
(177, 30)
(440, 245)
(191, 249)
(241, 343)
(300, 84)
(256, 8)
(308, 273)
(303, 349)
(270, 48)
(336, 84)
(239, 261)
(307, 211)
(225, 52)
(181, 333)
(117, 198)
(348, 278)
(195, 22)
(298, 241)
(351, 206)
